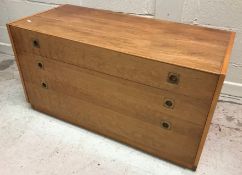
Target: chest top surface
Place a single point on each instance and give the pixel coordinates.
(194, 47)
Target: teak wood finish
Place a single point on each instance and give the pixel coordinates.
(148, 83)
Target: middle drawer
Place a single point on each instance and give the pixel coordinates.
(117, 94)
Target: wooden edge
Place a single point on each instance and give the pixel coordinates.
(14, 49)
(209, 118)
(17, 61)
(221, 78)
(26, 17)
(225, 64)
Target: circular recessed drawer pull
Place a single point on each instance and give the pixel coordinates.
(169, 103)
(166, 125)
(40, 65)
(44, 85)
(173, 78)
(35, 43)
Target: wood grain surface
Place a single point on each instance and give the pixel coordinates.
(108, 72)
(196, 84)
(152, 138)
(114, 93)
(179, 44)
(215, 98)
(17, 62)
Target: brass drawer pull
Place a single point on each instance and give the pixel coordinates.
(40, 65)
(35, 43)
(166, 125)
(169, 103)
(173, 78)
(44, 85)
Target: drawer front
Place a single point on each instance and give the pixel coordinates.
(125, 111)
(120, 95)
(176, 79)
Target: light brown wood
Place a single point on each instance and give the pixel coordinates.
(146, 136)
(209, 119)
(215, 98)
(121, 65)
(224, 66)
(184, 45)
(119, 95)
(108, 72)
(17, 62)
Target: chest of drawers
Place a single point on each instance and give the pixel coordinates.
(147, 83)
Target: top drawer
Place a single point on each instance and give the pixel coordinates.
(189, 82)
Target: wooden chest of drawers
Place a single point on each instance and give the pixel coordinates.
(147, 83)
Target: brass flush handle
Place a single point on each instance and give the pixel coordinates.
(169, 103)
(35, 43)
(166, 125)
(44, 85)
(40, 65)
(173, 78)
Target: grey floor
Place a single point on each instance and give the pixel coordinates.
(33, 143)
